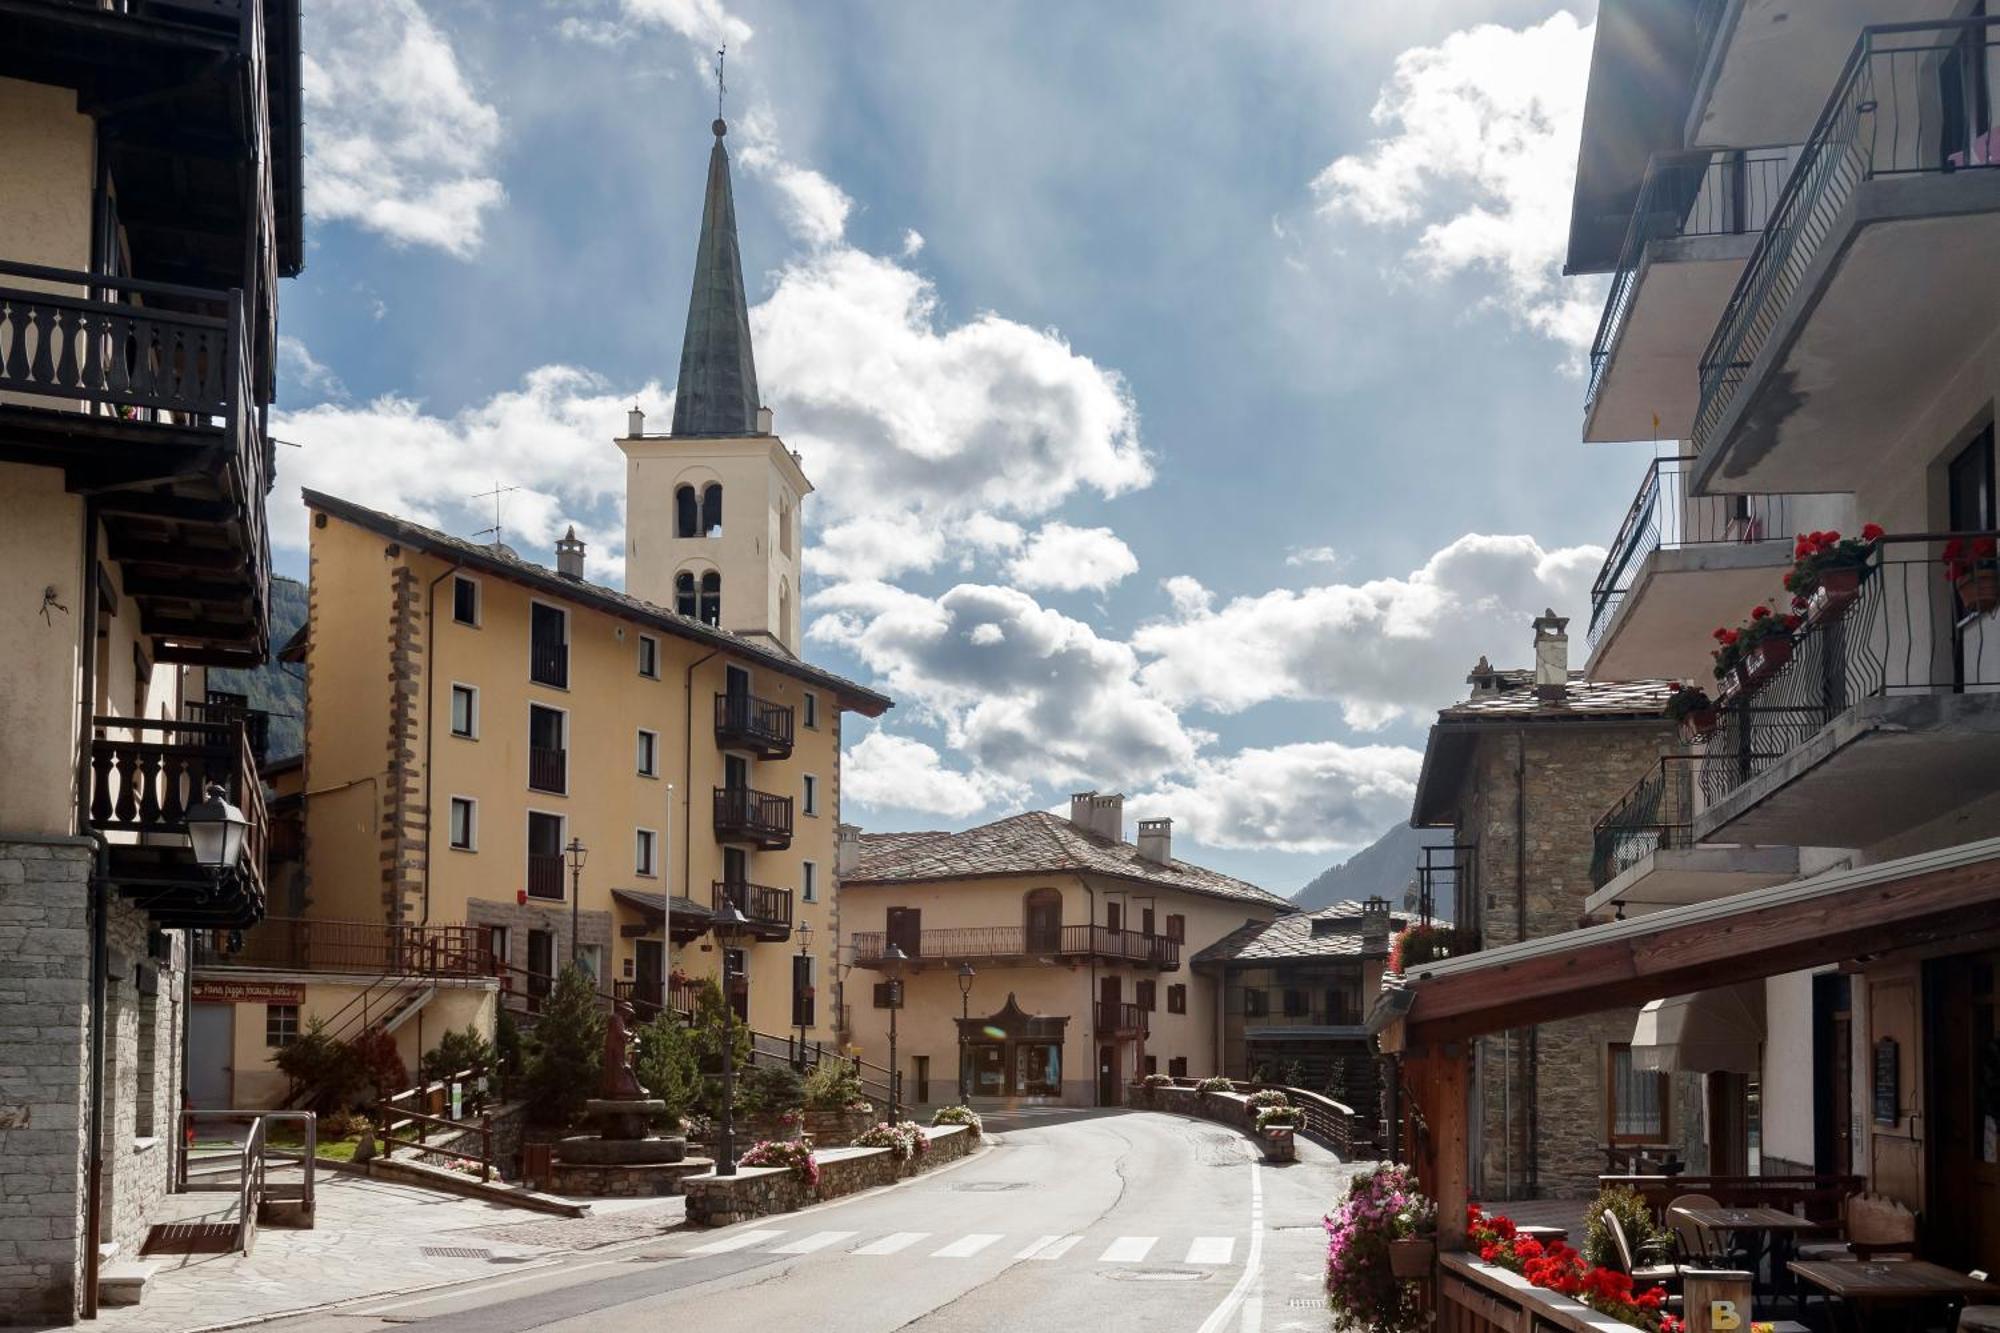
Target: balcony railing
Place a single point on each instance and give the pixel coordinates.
(1910, 629)
(1449, 872)
(745, 722)
(1018, 944)
(548, 663)
(745, 815)
(1708, 193)
(548, 769)
(1120, 1018)
(1664, 516)
(764, 905)
(545, 875)
(144, 774)
(1656, 814)
(377, 948)
(207, 15)
(644, 996)
(1887, 117)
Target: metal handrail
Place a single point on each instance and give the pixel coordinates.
(1655, 814)
(250, 1184)
(1864, 131)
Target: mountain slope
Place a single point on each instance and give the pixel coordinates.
(1386, 867)
(278, 689)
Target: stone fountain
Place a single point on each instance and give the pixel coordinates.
(624, 1156)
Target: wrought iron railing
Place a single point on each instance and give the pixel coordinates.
(548, 662)
(741, 812)
(1910, 628)
(548, 768)
(1664, 516)
(1008, 943)
(545, 875)
(1448, 872)
(761, 903)
(1656, 814)
(1724, 192)
(753, 723)
(1890, 115)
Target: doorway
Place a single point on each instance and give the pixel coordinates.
(906, 930)
(541, 967)
(211, 1056)
(1107, 1076)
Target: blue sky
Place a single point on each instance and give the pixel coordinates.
(1190, 389)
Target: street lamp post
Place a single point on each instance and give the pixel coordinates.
(729, 926)
(802, 983)
(965, 976)
(577, 852)
(893, 959)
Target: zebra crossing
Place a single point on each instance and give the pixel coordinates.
(1195, 1252)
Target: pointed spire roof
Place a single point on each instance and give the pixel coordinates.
(717, 393)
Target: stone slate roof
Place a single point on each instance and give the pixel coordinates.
(502, 562)
(1035, 843)
(1516, 699)
(717, 392)
(1290, 938)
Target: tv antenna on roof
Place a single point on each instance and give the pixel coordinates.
(494, 495)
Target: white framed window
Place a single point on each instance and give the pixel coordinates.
(645, 859)
(810, 795)
(810, 709)
(281, 1024)
(649, 657)
(464, 824)
(465, 600)
(649, 753)
(809, 881)
(465, 711)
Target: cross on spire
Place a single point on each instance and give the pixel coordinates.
(720, 86)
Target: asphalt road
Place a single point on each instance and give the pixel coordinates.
(1068, 1221)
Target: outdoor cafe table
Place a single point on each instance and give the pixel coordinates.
(1776, 1228)
(1862, 1286)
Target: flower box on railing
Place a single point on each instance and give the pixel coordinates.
(1834, 593)
(1764, 661)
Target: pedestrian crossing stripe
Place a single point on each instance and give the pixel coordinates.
(742, 1240)
(1128, 1249)
(819, 1240)
(966, 1246)
(1211, 1250)
(893, 1243)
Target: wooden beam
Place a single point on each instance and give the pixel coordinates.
(128, 549)
(190, 654)
(181, 508)
(1437, 1082)
(1632, 966)
(191, 589)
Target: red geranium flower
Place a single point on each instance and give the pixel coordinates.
(1871, 532)
(1759, 612)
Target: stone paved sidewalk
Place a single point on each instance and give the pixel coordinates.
(373, 1238)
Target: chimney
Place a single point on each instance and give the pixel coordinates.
(846, 849)
(763, 421)
(635, 423)
(1156, 841)
(1551, 656)
(1483, 679)
(569, 555)
(1103, 815)
(1375, 926)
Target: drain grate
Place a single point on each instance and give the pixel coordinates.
(454, 1252)
(1307, 1303)
(990, 1186)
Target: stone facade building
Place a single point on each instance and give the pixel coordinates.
(1520, 772)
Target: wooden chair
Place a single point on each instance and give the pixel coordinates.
(1694, 1246)
(1666, 1275)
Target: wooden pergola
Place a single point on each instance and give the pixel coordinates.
(1911, 904)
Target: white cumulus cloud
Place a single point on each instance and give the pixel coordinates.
(1071, 559)
(396, 139)
(1315, 796)
(1478, 151)
(888, 772)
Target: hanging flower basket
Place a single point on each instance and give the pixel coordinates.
(1834, 591)
(1979, 590)
(1413, 1257)
(1764, 661)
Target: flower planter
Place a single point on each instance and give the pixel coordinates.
(774, 1128)
(1728, 686)
(1979, 590)
(1279, 1145)
(836, 1129)
(1835, 592)
(1412, 1257)
(1764, 661)
(1698, 724)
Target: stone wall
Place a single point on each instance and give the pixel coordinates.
(759, 1191)
(1541, 1091)
(44, 1048)
(144, 1000)
(592, 927)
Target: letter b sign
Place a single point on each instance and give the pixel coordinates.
(1722, 1316)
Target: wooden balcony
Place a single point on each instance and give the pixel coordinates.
(769, 909)
(755, 817)
(745, 722)
(143, 777)
(1121, 1020)
(1018, 945)
(141, 393)
(365, 948)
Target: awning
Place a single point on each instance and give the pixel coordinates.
(1711, 1031)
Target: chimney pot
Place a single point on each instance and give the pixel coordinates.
(763, 421)
(846, 849)
(635, 423)
(569, 554)
(1156, 841)
(1551, 656)
(1102, 814)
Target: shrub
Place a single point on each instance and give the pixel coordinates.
(769, 1090)
(1269, 1097)
(711, 1019)
(794, 1153)
(509, 1055)
(903, 1139)
(832, 1085)
(382, 1068)
(959, 1115)
(1157, 1081)
(456, 1051)
(1648, 1239)
(324, 1067)
(566, 1050)
(1381, 1205)
(668, 1064)
(1280, 1117)
(1215, 1083)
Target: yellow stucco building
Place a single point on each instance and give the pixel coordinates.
(1078, 944)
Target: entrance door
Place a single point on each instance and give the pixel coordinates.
(1045, 921)
(1107, 1076)
(211, 1055)
(906, 930)
(541, 966)
(1963, 1038)
(1110, 992)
